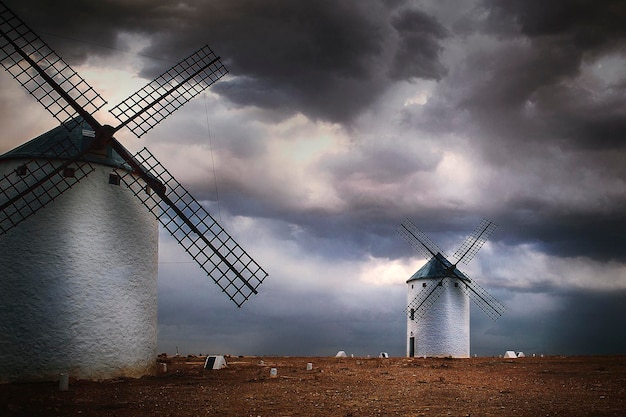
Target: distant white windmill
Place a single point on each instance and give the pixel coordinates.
(438, 313)
(78, 281)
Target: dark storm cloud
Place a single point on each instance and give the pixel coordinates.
(536, 107)
(523, 85)
(537, 93)
(562, 328)
(588, 121)
(419, 49)
(564, 36)
(331, 60)
(78, 29)
(379, 165)
(604, 337)
(328, 60)
(559, 230)
(588, 24)
(568, 234)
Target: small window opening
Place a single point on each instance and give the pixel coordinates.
(21, 170)
(411, 286)
(412, 314)
(456, 284)
(114, 179)
(440, 283)
(423, 284)
(69, 172)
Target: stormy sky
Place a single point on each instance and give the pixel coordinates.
(340, 119)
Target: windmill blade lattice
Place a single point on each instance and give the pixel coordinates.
(418, 240)
(418, 307)
(161, 97)
(485, 301)
(232, 269)
(66, 95)
(475, 241)
(38, 182)
(488, 304)
(37, 67)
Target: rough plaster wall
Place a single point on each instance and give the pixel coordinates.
(444, 329)
(78, 286)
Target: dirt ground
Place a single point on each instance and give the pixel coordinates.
(550, 386)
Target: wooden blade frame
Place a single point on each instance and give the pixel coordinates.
(485, 301)
(66, 95)
(232, 269)
(418, 240)
(38, 182)
(418, 307)
(475, 241)
(39, 69)
(172, 89)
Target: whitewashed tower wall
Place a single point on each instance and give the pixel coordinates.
(78, 286)
(444, 329)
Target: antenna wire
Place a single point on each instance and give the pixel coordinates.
(208, 128)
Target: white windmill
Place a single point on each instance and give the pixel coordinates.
(79, 280)
(438, 313)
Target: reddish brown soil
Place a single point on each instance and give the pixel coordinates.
(552, 386)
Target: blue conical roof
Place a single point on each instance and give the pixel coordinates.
(82, 135)
(436, 267)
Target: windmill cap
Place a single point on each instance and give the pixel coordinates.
(82, 136)
(436, 267)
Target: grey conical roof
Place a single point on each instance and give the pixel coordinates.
(81, 136)
(436, 267)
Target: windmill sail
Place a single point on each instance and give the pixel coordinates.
(46, 76)
(475, 241)
(418, 240)
(232, 269)
(37, 182)
(485, 301)
(66, 95)
(418, 307)
(158, 99)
